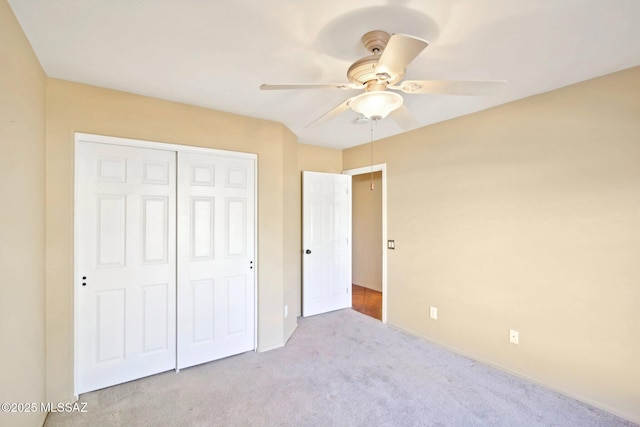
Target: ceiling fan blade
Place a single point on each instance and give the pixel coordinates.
(310, 86)
(399, 52)
(331, 114)
(404, 118)
(449, 87)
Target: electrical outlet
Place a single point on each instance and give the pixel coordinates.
(514, 336)
(433, 313)
(286, 311)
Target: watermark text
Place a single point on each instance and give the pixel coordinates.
(20, 407)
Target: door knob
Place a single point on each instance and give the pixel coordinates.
(308, 251)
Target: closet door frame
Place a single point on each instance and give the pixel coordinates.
(177, 148)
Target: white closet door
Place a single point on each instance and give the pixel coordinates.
(126, 264)
(216, 265)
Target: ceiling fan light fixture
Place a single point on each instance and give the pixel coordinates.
(376, 105)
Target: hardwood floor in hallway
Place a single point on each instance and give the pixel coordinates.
(366, 301)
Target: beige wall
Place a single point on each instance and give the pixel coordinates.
(76, 107)
(292, 228)
(525, 216)
(22, 191)
(319, 159)
(367, 231)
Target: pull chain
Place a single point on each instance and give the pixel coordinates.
(371, 153)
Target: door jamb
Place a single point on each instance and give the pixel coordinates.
(382, 167)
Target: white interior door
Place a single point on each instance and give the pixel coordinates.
(216, 257)
(326, 242)
(125, 262)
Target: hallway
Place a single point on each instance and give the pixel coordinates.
(367, 301)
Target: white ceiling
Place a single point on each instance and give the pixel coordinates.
(215, 53)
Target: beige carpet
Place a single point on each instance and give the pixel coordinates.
(338, 369)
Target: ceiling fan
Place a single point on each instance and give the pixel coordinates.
(383, 70)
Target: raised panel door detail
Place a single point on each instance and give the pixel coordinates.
(335, 275)
(110, 325)
(155, 228)
(202, 228)
(155, 173)
(203, 175)
(236, 178)
(316, 218)
(237, 304)
(236, 227)
(155, 314)
(111, 231)
(315, 265)
(338, 222)
(111, 169)
(203, 310)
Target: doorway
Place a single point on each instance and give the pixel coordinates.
(369, 235)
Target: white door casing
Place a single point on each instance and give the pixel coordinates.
(216, 265)
(126, 264)
(326, 242)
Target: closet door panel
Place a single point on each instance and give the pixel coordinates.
(125, 263)
(216, 270)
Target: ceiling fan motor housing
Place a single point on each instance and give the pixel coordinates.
(363, 70)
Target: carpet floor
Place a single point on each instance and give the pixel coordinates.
(338, 369)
